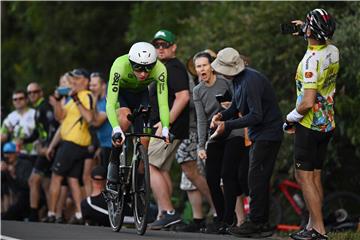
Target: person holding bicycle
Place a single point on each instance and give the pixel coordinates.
(312, 119)
(130, 76)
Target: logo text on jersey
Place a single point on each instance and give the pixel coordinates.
(115, 82)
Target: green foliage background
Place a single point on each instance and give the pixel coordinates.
(42, 40)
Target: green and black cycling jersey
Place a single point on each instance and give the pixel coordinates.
(122, 77)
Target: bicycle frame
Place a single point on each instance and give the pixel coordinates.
(129, 146)
(134, 184)
(283, 186)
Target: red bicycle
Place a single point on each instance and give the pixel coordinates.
(341, 210)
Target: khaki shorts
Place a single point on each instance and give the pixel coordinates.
(162, 155)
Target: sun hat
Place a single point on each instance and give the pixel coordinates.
(228, 62)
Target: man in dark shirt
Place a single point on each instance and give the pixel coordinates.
(161, 157)
(46, 126)
(255, 106)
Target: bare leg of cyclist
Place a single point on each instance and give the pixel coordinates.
(318, 184)
(312, 198)
(112, 175)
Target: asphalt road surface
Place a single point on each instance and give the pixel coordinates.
(14, 230)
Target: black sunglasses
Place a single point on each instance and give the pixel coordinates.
(164, 45)
(33, 92)
(142, 68)
(18, 99)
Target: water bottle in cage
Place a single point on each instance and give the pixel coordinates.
(298, 200)
(122, 159)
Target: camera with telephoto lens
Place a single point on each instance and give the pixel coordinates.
(290, 28)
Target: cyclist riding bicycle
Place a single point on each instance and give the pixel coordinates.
(130, 76)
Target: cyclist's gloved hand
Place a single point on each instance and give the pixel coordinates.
(294, 116)
(165, 133)
(117, 142)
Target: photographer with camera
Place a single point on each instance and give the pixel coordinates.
(75, 117)
(312, 120)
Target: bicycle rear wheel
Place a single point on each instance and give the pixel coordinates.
(141, 189)
(340, 208)
(115, 204)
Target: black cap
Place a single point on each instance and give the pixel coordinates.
(80, 72)
(98, 173)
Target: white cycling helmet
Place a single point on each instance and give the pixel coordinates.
(142, 56)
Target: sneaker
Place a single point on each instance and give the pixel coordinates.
(33, 217)
(251, 229)
(305, 234)
(60, 220)
(49, 219)
(215, 228)
(76, 221)
(191, 227)
(166, 220)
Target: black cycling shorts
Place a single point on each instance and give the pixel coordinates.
(133, 100)
(42, 167)
(310, 148)
(69, 160)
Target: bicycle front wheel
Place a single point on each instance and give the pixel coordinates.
(115, 204)
(141, 189)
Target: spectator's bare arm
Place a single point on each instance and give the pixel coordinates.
(54, 142)
(59, 111)
(99, 118)
(181, 100)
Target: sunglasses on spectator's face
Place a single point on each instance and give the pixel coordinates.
(33, 92)
(164, 45)
(18, 99)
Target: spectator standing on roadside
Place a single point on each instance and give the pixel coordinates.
(193, 167)
(103, 128)
(255, 103)
(313, 117)
(161, 158)
(75, 137)
(46, 126)
(16, 127)
(224, 156)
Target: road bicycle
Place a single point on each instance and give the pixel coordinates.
(341, 210)
(134, 175)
